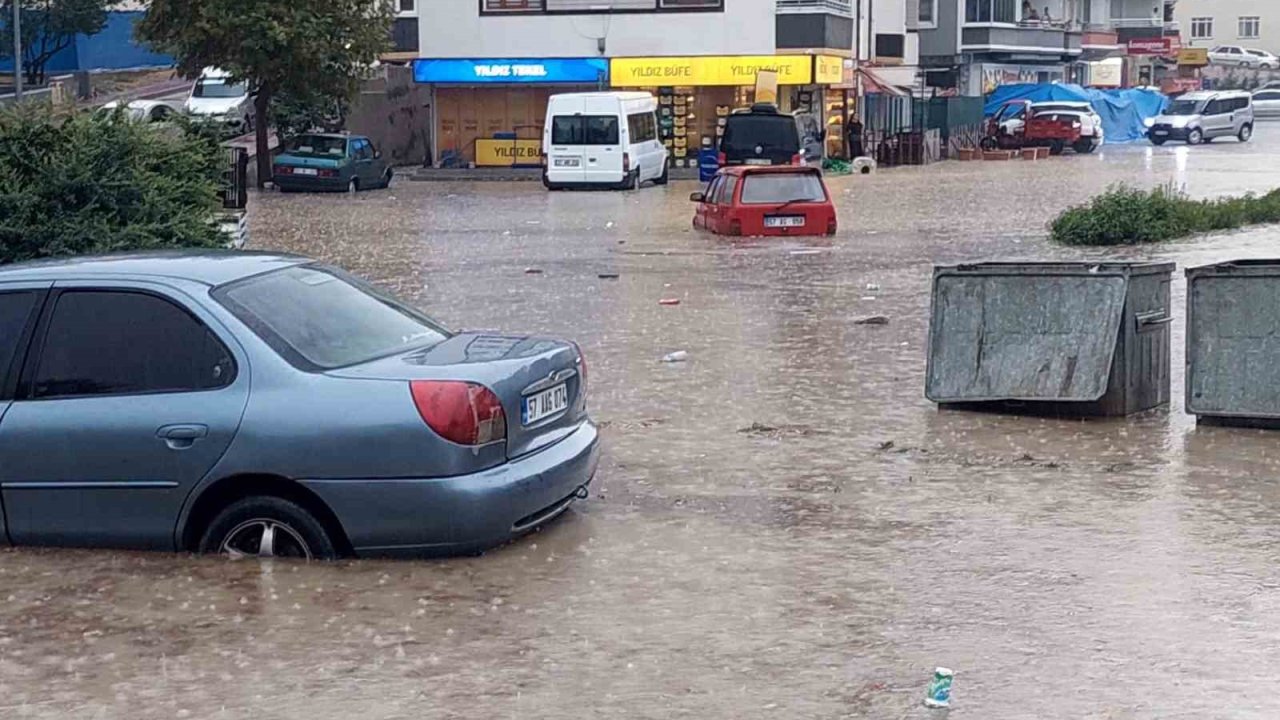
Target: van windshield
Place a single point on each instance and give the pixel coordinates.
(1183, 107)
(742, 133)
(584, 130)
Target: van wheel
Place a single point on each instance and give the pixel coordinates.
(1195, 137)
(633, 182)
(1246, 132)
(1084, 146)
(662, 179)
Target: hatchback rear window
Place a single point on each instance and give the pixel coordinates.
(742, 133)
(782, 187)
(584, 130)
(319, 318)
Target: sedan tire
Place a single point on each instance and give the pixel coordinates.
(266, 526)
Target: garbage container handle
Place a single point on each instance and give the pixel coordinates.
(1150, 320)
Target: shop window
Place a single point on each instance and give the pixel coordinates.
(991, 11)
(1201, 28)
(513, 6)
(1250, 27)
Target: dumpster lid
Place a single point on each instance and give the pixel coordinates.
(1042, 332)
(1255, 267)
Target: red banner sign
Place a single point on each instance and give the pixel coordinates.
(1152, 46)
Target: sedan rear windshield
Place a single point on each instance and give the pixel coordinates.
(763, 188)
(318, 145)
(319, 318)
(742, 133)
(584, 130)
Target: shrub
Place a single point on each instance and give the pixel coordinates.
(1128, 216)
(86, 184)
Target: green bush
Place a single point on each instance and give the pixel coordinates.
(86, 184)
(1128, 216)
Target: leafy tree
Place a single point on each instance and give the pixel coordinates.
(301, 48)
(48, 28)
(85, 184)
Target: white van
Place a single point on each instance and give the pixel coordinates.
(602, 138)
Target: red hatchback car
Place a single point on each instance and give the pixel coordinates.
(766, 200)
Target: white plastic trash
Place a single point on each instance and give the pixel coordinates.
(863, 165)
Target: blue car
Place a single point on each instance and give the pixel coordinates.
(258, 404)
(330, 162)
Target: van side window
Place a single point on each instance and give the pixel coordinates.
(1242, 103)
(643, 127)
(1213, 108)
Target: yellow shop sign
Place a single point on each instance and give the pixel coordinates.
(737, 70)
(828, 69)
(507, 153)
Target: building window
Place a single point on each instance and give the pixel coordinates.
(1250, 27)
(928, 8)
(990, 11)
(680, 4)
(407, 6)
(1201, 28)
(513, 5)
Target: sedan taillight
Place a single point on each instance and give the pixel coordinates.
(461, 412)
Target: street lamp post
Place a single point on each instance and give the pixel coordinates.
(17, 49)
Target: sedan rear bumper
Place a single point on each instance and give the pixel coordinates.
(304, 183)
(466, 513)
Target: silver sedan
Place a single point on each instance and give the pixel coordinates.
(1266, 103)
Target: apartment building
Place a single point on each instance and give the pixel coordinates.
(492, 64)
(1248, 23)
(976, 45)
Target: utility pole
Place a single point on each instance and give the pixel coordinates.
(17, 49)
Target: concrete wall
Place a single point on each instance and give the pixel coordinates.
(1226, 22)
(395, 113)
(942, 41)
(455, 29)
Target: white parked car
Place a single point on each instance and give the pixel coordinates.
(1266, 60)
(1266, 103)
(216, 97)
(1091, 132)
(150, 111)
(1238, 56)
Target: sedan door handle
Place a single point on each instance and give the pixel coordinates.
(181, 437)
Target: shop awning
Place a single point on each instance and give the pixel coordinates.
(873, 83)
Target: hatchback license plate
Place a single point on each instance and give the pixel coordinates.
(545, 404)
(305, 171)
(567, 162)
(784, 221)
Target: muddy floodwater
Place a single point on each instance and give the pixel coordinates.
(781, 527)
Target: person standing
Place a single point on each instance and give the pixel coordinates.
(853, 137)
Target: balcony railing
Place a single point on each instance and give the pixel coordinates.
(1138, 22)
(831, 7)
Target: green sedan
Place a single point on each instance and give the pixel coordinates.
(332, 162)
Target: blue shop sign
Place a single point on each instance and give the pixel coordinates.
(511, 70)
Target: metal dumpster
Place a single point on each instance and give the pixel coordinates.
(1233, 342)
(1078, 339)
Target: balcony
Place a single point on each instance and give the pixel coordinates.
(843, 8)
(1047, 40)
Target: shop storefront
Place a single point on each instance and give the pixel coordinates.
(696, 94)
(490, 111)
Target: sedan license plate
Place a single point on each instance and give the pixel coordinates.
(782, 221)
(305, 171)
(567, 162)
(758, 161)
(545, 404)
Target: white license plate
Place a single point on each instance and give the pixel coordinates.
(545, 404)
(758, 161)
(568, 162)
(1161, 132)
(784, 221)
(306, 171)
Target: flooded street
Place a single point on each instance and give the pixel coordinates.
(781, 527)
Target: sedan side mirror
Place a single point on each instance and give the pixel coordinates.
(697, 197)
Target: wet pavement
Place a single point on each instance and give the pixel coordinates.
(782, 526)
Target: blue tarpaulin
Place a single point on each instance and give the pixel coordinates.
(1122, 111)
